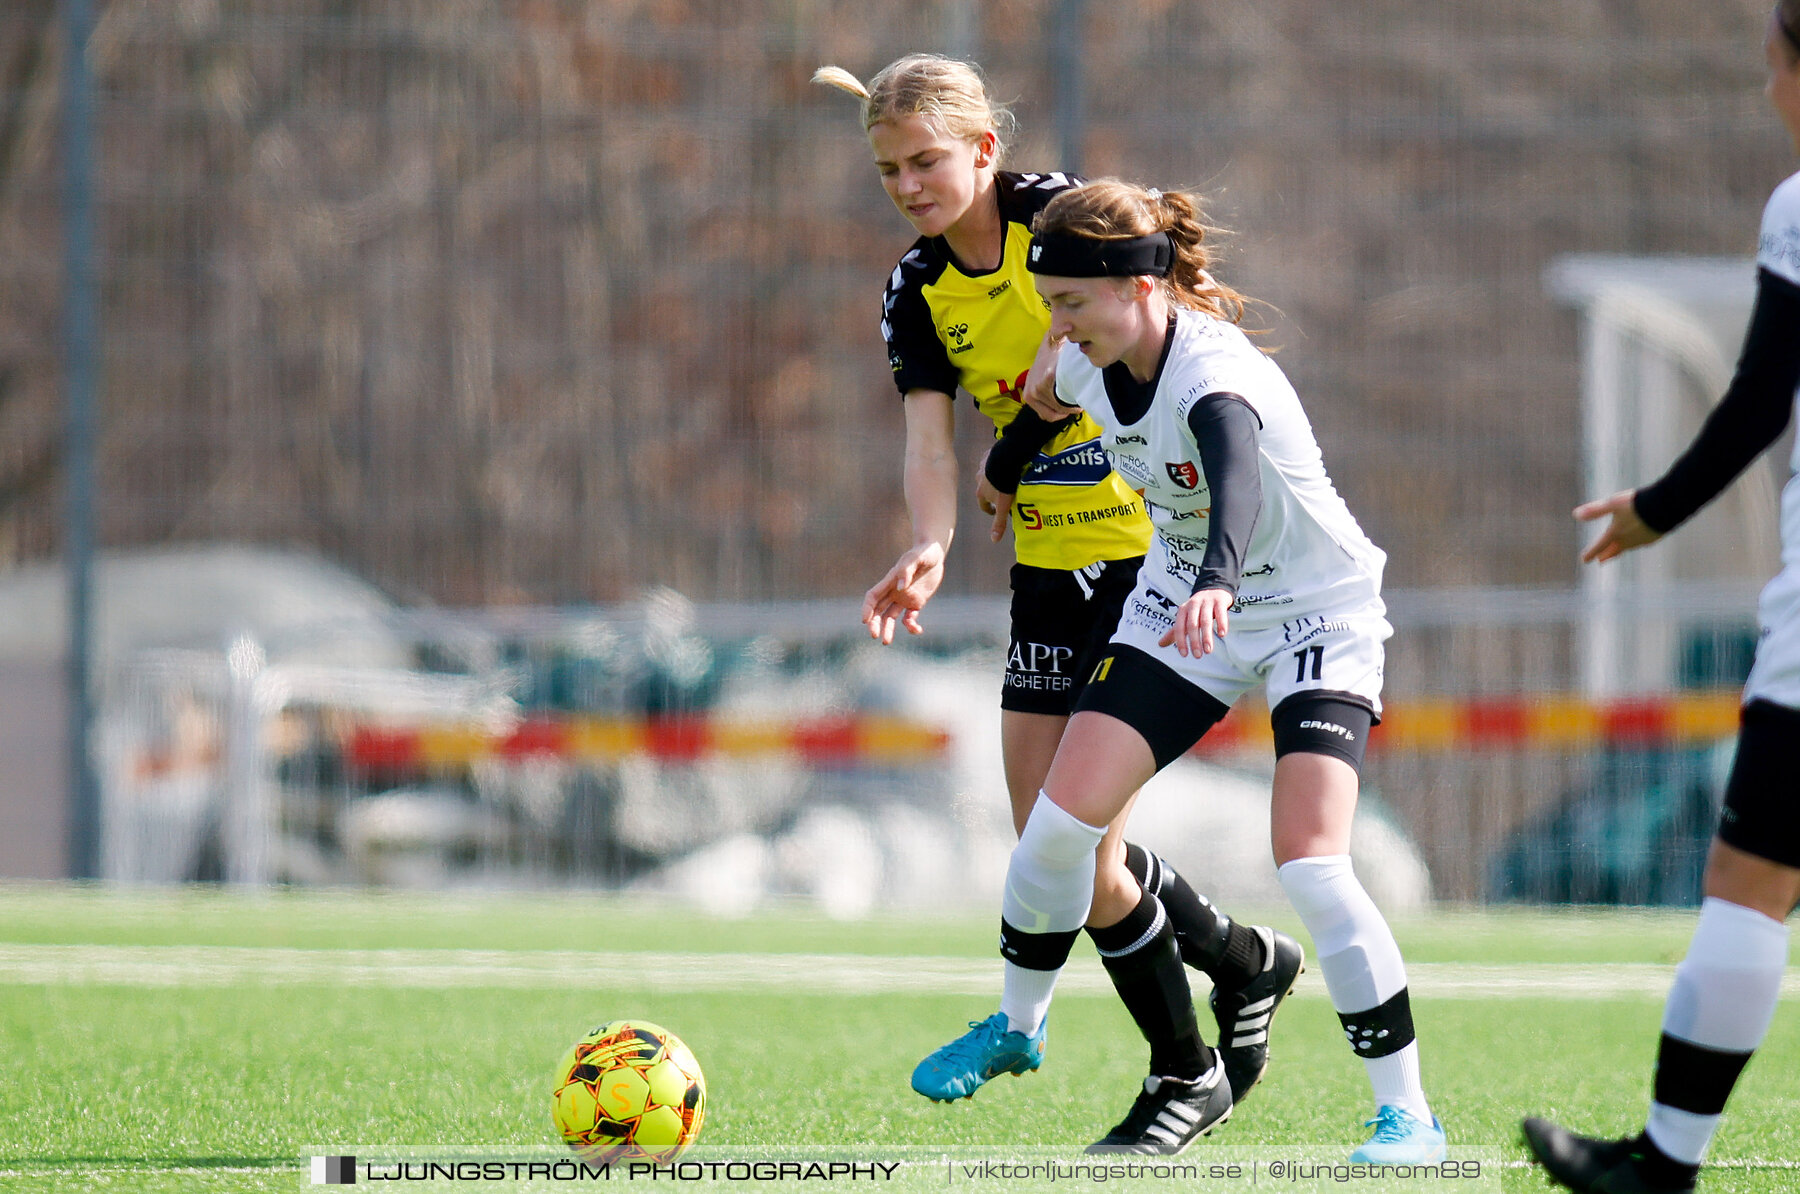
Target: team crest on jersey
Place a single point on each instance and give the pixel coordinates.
(1183, 473)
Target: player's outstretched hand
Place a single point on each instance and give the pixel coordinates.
(903, 592)
(1624, 532)
(1198, 622)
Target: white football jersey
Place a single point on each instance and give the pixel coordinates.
(1778, 251)
(1776, 674)
(1307, 552)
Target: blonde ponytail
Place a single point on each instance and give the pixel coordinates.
(948, 92)
(843, 80)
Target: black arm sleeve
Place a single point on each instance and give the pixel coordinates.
(1023, 439)
(1751, 416)
(1225, 428)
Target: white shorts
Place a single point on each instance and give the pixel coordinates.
(1338, 652)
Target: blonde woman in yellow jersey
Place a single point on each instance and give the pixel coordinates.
(961, 312)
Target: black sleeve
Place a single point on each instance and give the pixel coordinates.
(1022, 440)
(1225, 428)
(915, 353)
(1751, 416)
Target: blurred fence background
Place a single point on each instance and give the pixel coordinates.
(521, 319)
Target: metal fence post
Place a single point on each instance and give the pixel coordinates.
(1069, 82)
(81, 367)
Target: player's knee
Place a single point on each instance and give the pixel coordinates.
(1050, 880)
(1021, 813)
(1114, 882)
(1298, 843)
(1053, 837)
(1319, 886)
(1748, 881)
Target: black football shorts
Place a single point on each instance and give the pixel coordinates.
(1061, 624)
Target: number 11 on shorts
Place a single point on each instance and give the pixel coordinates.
(1318, 662)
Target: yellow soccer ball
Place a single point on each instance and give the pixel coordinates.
(629, 1090)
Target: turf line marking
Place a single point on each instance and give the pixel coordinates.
(851, 974)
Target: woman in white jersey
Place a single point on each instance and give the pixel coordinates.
(1725, 989)
(1258, 576)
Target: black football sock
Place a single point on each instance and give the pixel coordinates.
(1211, 942)
(1659, 1167)
(1693, 1079)
(1145, 966)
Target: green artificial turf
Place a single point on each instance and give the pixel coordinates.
(179, 1085)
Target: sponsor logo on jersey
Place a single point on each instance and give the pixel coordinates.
(959, 332)
(1039, 666)
(1083, 464)
(1130, 439)
(1173, 514)
(1304, 630)
(1037, 658)
(1015, 391)
(1780, 251)
(1184, 473)
(1150, 615)
(1135, 470)
(1001, 289)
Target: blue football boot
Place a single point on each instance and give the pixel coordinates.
(1402, 1138)
(990, 1048)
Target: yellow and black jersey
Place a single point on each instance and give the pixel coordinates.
(947, 328)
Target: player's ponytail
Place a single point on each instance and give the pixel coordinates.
(843, 80)
(948, 92)
(1108, 209)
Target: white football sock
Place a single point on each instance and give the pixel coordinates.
(1723, 999)
(1361, 962)
(1049, 886)
(1026, 996)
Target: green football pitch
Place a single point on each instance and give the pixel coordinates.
(209, 1040)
